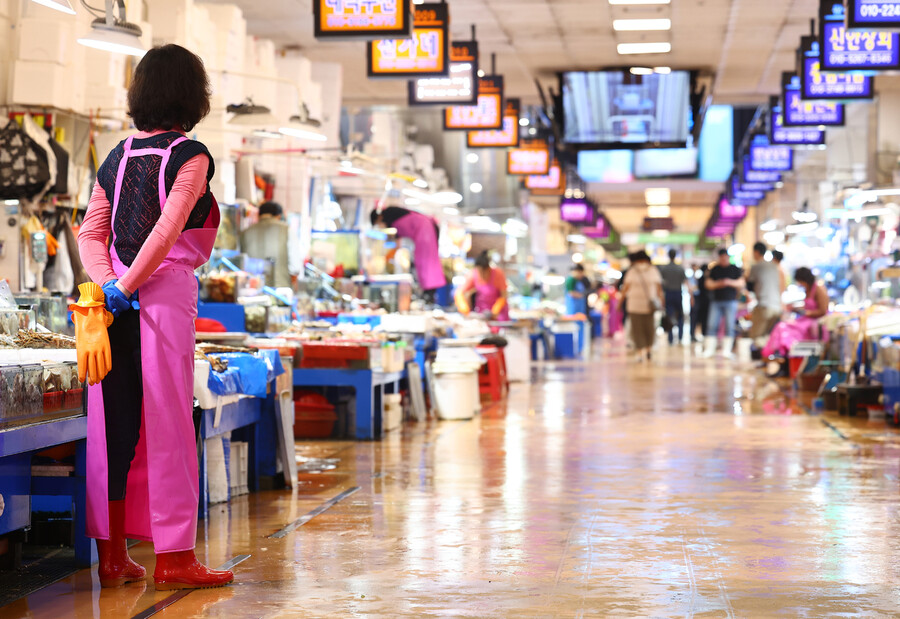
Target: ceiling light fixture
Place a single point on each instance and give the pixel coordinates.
(476, 187)
(524, 122)
(62, 6)
(659, 196)
(250, 114)
(627, 2)
(659, 212)
(662, 70)
(472, 157)
(113, 34)
(303, 127)
(641, 71)
(644, 48)
(262, 133)
(633, 25)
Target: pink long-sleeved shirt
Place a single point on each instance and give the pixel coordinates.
(189, 186)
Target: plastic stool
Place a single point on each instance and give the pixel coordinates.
(490, 376)
(566, 345)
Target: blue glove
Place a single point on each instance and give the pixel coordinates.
(116, 301)
(135, 304)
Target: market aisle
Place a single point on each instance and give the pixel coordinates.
(602, 489)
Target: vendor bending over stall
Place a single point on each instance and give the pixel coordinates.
(152, 200)
(489, 287)
(423, 231)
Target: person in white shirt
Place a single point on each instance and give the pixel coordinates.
(643, 291)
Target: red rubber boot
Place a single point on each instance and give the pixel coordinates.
(182, 570)
(116, 567)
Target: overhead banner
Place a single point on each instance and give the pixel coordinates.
(459, 87)
(361, 19)
(551, 184)
(881, 14)
(486, 114)
(532, 158)
(791, 136)
(801, 113)
(831, 86)
(767, 157)
(843, 49)
(758, 176)
(577, 211)
(425, 54)
(506, 137)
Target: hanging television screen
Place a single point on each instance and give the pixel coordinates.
(499, 138)
(615, 109)
(831, 86)
(873, 14)
(486, 114)
(801, 113)
(576, 211)
(551, 184)
(425, 54)
(606, 166)
(459, 87)
(532, 159)
(758, 176)
(791, 136)
(842, 49)
(665, 162)
(353, 19)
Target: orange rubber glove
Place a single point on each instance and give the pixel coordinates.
(92, 322)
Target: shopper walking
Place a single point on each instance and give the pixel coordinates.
(700, 306)
(488, 285)
(724, 281)
(578, 287)
(643, 291)
(673, 282)
(764, 281)
(152, 200)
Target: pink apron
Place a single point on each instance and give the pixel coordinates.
(486, 294)
(161, 498)
(420, 229)
(788, 332)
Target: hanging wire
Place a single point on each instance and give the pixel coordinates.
(99, 13)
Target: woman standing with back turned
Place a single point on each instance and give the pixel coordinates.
(152, 200)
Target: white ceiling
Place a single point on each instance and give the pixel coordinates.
(746, 43)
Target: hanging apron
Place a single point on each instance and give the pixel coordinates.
(163, 481)
(486, 294)
(422, 231)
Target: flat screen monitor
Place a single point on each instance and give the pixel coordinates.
(665, 162)
(615, 109)
(606, 166)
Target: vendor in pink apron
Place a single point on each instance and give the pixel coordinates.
(423, 231)
(488, 285)
(152, 202)
(805, 324)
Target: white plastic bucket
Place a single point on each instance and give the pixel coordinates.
(744, 352)
(456, 395)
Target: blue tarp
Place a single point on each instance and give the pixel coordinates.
(246, 374)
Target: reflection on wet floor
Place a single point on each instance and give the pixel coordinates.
(602, 488)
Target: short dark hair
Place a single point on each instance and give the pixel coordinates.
(777, 256)
(271, 208)
(723, 252)
(805, 276)
(640, 256)
(483, 260)
(170, 90)
(672, 254)
(760, 248)
(578, 267)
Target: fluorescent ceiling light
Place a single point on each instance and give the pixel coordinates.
(627, 2)
(577, 239)
(644, 48)
(769, 226)
(248, 115)
(119, 37)
(641, 71)
(303, 132)
(262, 133)
(660, 234)
(663, 70)
(658, 212)
(472, 157)
(658, 196)
(57, 5)
(447, 197)
(524, 122)
(476, 187)
(632, 25)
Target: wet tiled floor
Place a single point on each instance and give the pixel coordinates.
(607, 489)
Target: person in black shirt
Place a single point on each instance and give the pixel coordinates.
(700, 309)
(723, 281)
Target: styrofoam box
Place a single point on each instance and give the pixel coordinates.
(105, 69)
(170, 20)
(113, 98)
(44, 40)
(6, 7)
(40, 83)
(227, 18)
